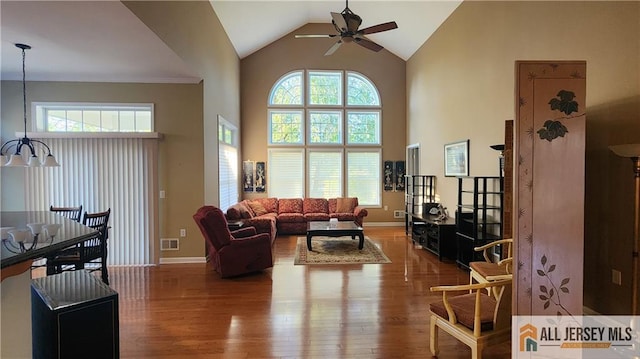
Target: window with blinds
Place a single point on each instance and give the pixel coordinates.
(286, 173)
(227, 164)
(341, 142)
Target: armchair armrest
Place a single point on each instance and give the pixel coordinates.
(488, 246)
(244, 232)
(360, 211)
(478, 288)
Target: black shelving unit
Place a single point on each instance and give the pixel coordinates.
(419, 189)
(478, 216)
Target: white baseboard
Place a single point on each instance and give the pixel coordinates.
(183, 260)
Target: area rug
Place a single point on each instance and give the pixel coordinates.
(338, 250)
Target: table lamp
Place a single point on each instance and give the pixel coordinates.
(632, 151)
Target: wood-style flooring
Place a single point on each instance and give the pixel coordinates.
(290, 311)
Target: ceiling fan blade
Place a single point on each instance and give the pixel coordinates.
(379, 28)
(339, 21)
(300, 36)
(364, 42)
(333, 48)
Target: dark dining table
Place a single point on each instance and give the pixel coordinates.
(70, 233)
(15, 277)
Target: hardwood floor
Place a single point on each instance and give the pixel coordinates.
(290, 311)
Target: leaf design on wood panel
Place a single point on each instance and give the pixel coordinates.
(553, 66)
(520, 212)
(532, 76)
(530, 185)
(551, 294)
(520, 264)
(552, 130)
(520, 160)
(522, 101)
(529, 238)
(530, 132)
(564, 102)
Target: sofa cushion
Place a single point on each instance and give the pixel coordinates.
(239, 211)
(269, 203)
(290, 205)
(346, 204)
(257, 207)
(316, 217)
(315, 205)
(291, 218)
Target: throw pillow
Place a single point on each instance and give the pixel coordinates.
(345, 205)
(257, 208)
(245, 212)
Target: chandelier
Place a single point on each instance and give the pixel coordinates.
(15, 159)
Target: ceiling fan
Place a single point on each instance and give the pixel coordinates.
(347, 23)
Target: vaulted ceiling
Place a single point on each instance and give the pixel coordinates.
(103, 41)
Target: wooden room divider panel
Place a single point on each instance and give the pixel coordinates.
(549, 195)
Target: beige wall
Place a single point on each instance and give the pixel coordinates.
(460, 85)
(194, 32)
(264, 67)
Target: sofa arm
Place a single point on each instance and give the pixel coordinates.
(360, 212)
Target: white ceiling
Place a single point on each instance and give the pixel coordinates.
(103, 41)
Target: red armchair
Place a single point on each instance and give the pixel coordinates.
(233, 253)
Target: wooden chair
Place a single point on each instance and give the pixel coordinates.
(488, 270)
(92, 250)
(74, 213)
(476, 318)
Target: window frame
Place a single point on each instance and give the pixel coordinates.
(343, 145)
(39, 110)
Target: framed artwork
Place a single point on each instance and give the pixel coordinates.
(261, 181)
(400, 172)
(456, 159)
(388, 176)
(247, 176)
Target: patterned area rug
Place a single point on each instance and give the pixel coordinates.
(338, 250)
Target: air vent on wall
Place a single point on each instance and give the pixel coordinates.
(169, 244)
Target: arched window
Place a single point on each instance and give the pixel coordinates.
(326, 143)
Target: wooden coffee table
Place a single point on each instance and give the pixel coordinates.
(334, 229)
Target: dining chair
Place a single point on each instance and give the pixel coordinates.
(488, 270)
(92, 251)
(74, 213)
(476, 319)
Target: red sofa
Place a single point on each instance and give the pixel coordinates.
(290, 215)
(232, 253)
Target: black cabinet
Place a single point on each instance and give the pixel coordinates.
(478, 216)
(436, 236)
(74, 315)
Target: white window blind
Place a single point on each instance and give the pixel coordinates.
(102, 173)
(325, 174)
(228, 175)
(286, 173)
(364, 177)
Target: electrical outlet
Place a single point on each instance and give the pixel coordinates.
(183, 232)
(398, 213)
(163, 194)
(616, 277)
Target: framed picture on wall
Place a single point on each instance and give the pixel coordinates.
(400, 172)
(247, 176)
(388, 176)
(261, 181)
(456, 159)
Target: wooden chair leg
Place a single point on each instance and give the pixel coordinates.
(433, 337)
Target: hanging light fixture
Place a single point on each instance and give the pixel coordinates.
(15, 159)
